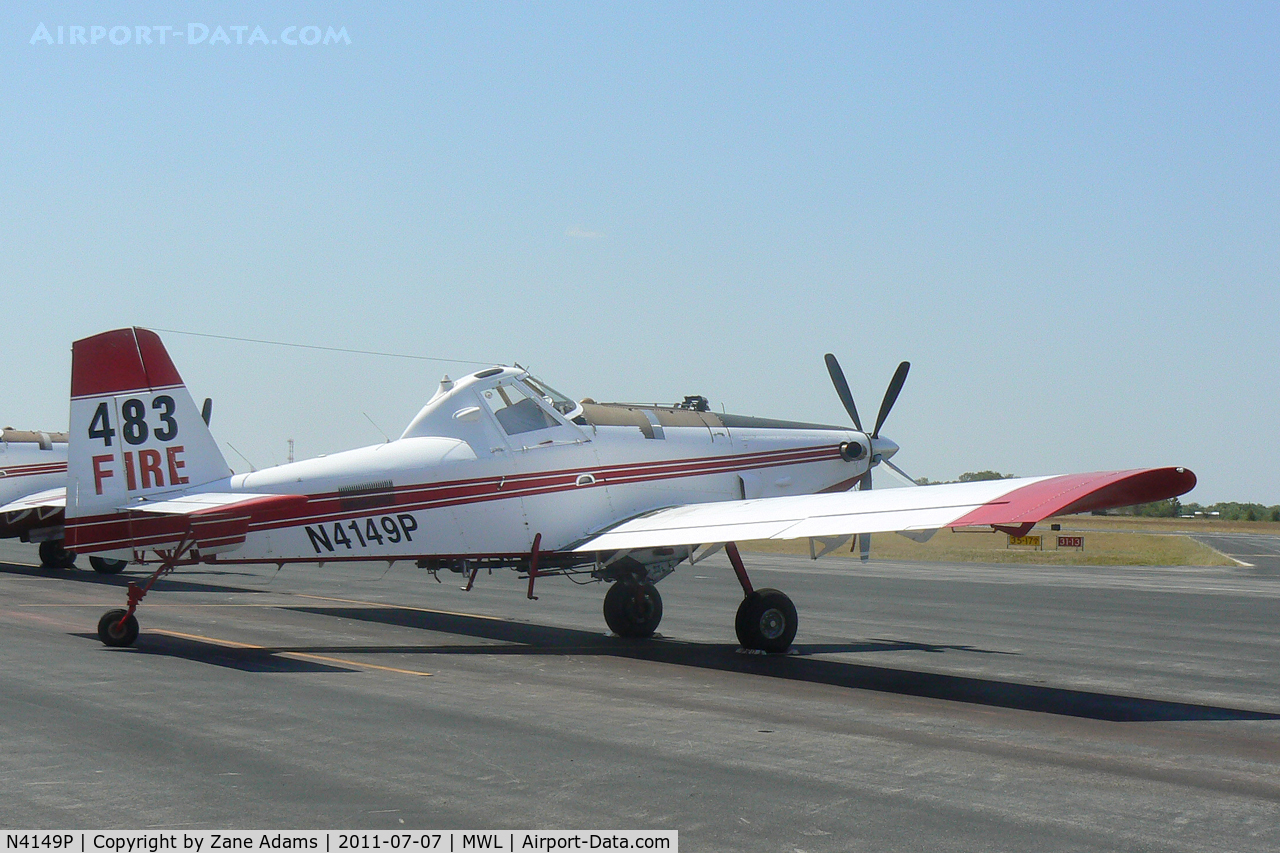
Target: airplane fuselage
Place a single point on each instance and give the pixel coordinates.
(435, 496)
(489, 467)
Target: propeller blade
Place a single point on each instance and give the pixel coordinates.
(903, 474)
(842, 388)
(891, 395)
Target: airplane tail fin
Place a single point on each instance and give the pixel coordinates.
(136, 432)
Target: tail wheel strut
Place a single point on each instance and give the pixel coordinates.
(120, 627)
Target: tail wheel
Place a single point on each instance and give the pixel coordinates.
(766, 621)
(54, 556)
(107, 566)
(633, 609)
(118, 628)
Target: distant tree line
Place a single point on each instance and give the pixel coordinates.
(1226, 510)
(966, 477)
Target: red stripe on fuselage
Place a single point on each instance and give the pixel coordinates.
(29, 470)
(116, 530)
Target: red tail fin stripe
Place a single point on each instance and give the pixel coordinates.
(120, 361)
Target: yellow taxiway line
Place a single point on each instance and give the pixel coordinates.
(232, 644)
(398, 607)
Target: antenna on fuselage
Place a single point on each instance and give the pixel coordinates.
(375, 426)
(242, 456)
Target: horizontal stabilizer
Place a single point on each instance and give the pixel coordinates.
(211, 521)
(208, 502)
(219, 521)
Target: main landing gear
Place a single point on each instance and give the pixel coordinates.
(53, 555)
(107, 566)
(766, 619)
(633, 608)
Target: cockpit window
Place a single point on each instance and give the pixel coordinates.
(515, 410)
(558, 401)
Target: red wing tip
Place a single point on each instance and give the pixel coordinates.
(1075, 493)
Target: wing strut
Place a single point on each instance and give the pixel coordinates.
(731, 548)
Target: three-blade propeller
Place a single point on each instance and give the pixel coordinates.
(846, 397)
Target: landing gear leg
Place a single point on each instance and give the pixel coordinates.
(632, 608)
(766, 620)
(120, 627)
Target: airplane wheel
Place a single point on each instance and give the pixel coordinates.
(54, 556)
(767, 621)
(107, 566)
(113, 633)
(632, 609)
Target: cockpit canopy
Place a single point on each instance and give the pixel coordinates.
(518, 403)
(562, 404)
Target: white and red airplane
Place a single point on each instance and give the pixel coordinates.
(500, 470)
(33, 465)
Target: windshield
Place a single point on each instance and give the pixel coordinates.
(515, 410)
(558, 401)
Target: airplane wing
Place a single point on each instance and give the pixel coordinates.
(1013, 505)
(49, 499)
(41, 509)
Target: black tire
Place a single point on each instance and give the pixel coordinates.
(54, 556)
(633, 609)
(107, 566)
(115, 633)
(766, 621)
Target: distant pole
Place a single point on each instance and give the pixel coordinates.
(291, 450)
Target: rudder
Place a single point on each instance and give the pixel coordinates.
(135, 430)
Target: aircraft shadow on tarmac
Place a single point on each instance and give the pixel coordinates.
(122, 580)
(505, 637)
(248, 659)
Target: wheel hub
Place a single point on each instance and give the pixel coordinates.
(772, 623)
(639, 607)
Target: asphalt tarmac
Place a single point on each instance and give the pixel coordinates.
(927, 707)
(1255, 551)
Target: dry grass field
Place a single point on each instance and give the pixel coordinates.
(1108, 541)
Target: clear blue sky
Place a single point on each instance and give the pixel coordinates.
(1064, 215)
